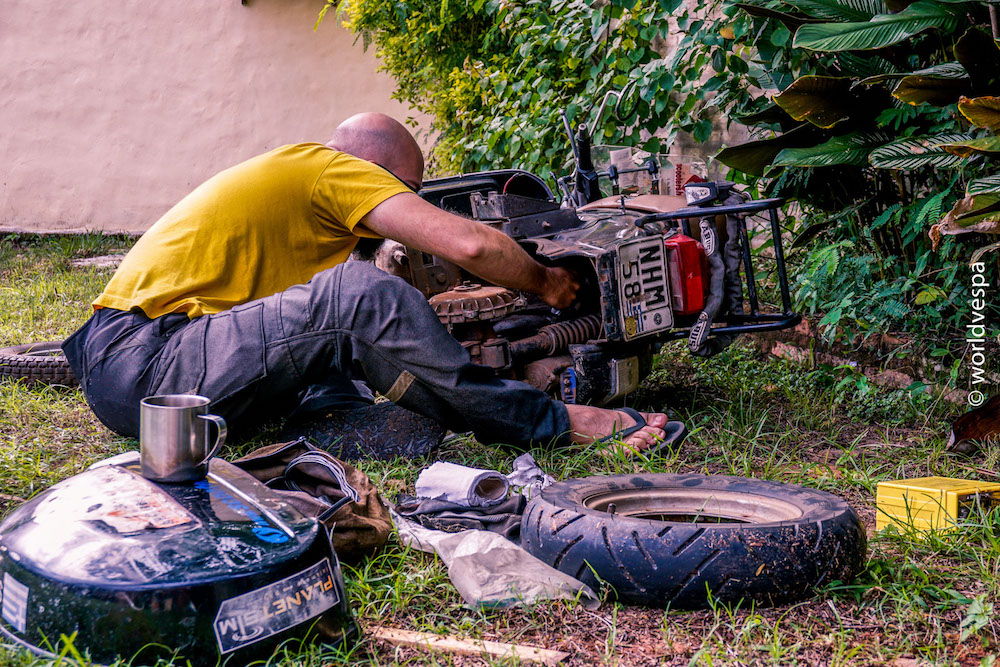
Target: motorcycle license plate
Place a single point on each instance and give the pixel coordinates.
(643, 291)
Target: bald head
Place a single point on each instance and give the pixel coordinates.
(378, 138)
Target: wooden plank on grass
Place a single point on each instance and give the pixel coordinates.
(453, 644)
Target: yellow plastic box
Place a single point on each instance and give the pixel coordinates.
(931, 503)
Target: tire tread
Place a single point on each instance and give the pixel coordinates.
(684, 565)
(17, 364)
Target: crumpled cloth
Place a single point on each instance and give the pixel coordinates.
(491, 571)
(503, 519)
(471, 487)
(528, 478)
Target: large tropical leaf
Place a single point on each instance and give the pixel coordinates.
(931, 89)
(896, 6)
(986, 146)
(840, 10)
(754, 157)
(863, 66)
(791, 21)
(984, 212)
(952, 70)
(982, 111)
(984, 186)
(979, 213)
(882, 30)
(916, 152)
(812, 231)
(978, 254)
(980, 56)
(848, 149)
(820, 100)
(772, 114)
(985, 218)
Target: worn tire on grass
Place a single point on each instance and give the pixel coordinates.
(36, 362)
(681, 540)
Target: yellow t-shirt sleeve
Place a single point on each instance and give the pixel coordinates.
(348, 189)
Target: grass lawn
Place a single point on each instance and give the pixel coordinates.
(935, 601)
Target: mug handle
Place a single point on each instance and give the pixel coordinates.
(220, 423)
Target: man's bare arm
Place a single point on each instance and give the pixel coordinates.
(481, 250)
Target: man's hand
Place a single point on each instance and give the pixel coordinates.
(560, 288)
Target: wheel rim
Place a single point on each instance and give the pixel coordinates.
(675, 505)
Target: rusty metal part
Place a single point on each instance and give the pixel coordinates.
(475, 350)
(495, 353)
(472, 336)
(556, 338)
(544, 373)
(470, 302)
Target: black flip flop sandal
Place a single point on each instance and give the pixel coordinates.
(675, 433)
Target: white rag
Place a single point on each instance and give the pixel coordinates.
(528, 478)
(462, 485)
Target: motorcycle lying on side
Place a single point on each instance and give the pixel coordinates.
(653, 267)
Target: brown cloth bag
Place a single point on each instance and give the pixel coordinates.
(320, 485)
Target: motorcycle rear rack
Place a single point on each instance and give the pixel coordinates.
(755, 321)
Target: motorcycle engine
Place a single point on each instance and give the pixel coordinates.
(469, 310)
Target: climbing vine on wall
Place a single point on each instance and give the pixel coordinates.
(495, 75)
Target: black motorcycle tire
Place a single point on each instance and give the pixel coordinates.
(42, 363)
(681, 541)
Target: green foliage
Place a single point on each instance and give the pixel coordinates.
(495, 75)
(854, 94)
(853, 105)
(861, 292)
(978, 616)
(880, 31)
(916, 152)
(858, 116)
(840, 10)
(852, 149)
(983, 186)
(842, 285)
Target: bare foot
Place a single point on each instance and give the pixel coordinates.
(591, 424)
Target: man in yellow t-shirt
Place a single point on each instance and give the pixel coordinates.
(242, 293)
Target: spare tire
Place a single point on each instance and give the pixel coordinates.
(37, 362)
(683, 540)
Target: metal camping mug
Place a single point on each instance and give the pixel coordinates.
(173, 437)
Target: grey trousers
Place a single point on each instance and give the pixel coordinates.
(258, 360)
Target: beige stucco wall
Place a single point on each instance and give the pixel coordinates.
(112, 110)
